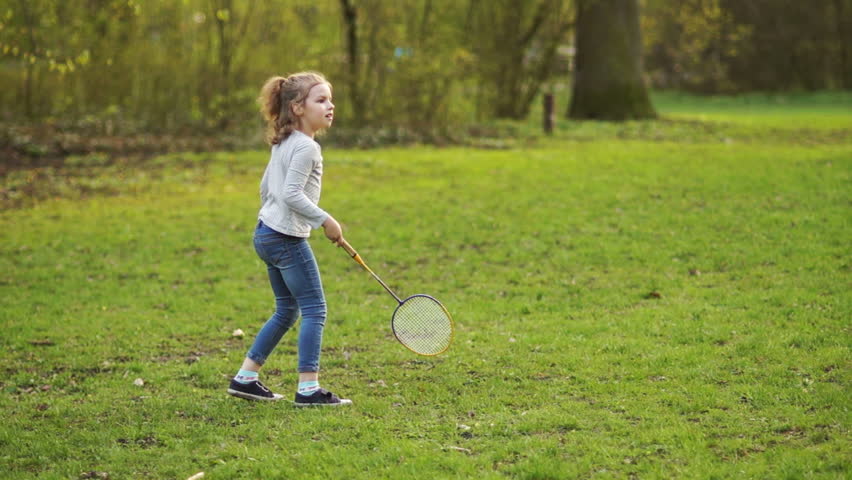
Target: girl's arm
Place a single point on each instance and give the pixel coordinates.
(296, 177)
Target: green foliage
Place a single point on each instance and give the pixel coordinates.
(430, 67)
(626, 307)
(411, 64)
(200, 63)
(727, 46)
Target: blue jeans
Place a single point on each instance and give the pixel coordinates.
(296, 283)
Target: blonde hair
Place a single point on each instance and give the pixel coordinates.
(277, 98)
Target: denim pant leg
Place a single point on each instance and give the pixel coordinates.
(296, 282)
(286, 313)
(306, 285)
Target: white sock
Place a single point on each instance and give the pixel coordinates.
(308, 388)
(246, 376)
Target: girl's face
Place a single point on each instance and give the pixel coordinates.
(317, 112)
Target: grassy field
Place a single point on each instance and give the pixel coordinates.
(642, 300)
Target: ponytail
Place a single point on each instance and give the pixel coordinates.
(277, 98)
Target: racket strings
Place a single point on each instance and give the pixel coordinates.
(422, 324)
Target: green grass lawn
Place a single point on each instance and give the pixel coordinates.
(814, 111)
(666, 299)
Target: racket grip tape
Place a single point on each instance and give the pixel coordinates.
(351, 251)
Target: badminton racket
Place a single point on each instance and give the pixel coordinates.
(420, 322)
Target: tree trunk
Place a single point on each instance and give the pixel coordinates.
(844, 38)
(31, 24)
(350, 19)
(608, 82)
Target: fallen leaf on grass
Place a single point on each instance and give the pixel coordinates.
(43, 388)
(459, 449)
(238, 333)
(42, 343)
(139, 382)
(101, 475)
(654, 294)
(196, 476)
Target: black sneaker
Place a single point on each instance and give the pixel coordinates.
(253, 391)
(321, 398)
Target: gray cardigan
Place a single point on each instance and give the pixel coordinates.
(291, 185)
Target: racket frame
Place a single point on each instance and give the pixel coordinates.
(450, 317)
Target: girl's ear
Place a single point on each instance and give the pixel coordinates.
(297, 109)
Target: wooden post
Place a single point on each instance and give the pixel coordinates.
(548, 113)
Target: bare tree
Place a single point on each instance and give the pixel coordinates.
(516, 43)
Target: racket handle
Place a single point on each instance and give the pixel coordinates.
(351, 251)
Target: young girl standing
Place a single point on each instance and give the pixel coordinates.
(296, 108)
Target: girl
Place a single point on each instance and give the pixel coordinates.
(296, 108)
